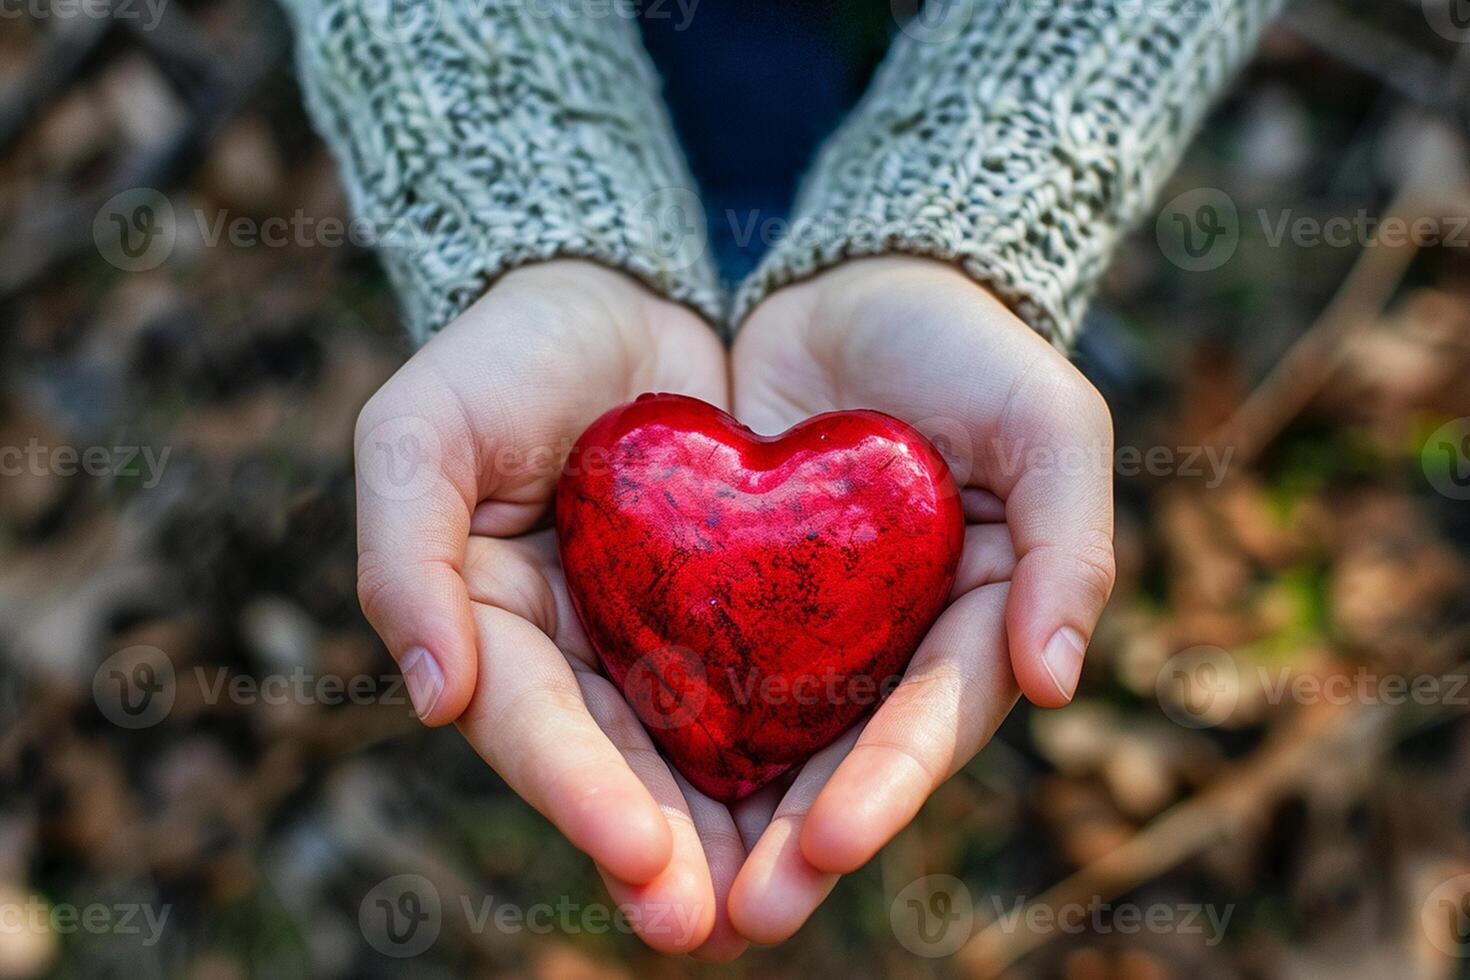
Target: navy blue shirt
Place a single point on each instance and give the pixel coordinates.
(754, 87)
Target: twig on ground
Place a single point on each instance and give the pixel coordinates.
(1240, 798)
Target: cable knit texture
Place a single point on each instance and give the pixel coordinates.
(1018, 139)
(479, 135)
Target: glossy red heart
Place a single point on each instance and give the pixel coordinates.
(753, 596)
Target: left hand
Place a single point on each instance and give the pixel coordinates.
(1030, 444)
(458, 458)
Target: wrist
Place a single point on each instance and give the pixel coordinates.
(889, 287)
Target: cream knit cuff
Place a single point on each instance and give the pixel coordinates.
(1018, 139)
(479, 135)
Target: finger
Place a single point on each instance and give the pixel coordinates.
(955, 693)
(754, 813)
(1060, 511)
(415, 489)
(508, 518)
(675, 911)
(724, 853)
(988, 557)
(529, 721)
(523, 576)
(778, 889)
(981, 506)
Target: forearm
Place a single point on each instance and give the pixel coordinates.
(475, 137)
(1018, 139)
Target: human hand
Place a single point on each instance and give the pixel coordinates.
(1030, 444)
(457, 458)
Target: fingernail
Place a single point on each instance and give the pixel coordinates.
(1063, 659)
(424, 679)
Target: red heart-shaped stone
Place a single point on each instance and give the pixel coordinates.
(752, 596)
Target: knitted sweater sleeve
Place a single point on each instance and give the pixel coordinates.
(1017, 139)
(477, 137)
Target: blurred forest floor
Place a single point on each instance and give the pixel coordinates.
(1243, 742)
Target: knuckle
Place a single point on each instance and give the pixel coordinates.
(525, 745)
(1055, 401)
(1097, 566)
(930, 682)
(375, 583)
(911, 753)
(1081, 409)
(559, 698)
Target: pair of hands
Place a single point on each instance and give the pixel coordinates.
(458, 456)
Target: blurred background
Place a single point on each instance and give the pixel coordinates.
(208, 768)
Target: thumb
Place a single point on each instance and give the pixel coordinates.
(1060, 512)
(414, 497)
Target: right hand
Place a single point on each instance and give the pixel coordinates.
(1031, 445)
(457, 458)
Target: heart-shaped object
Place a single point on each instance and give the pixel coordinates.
(753, 596)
